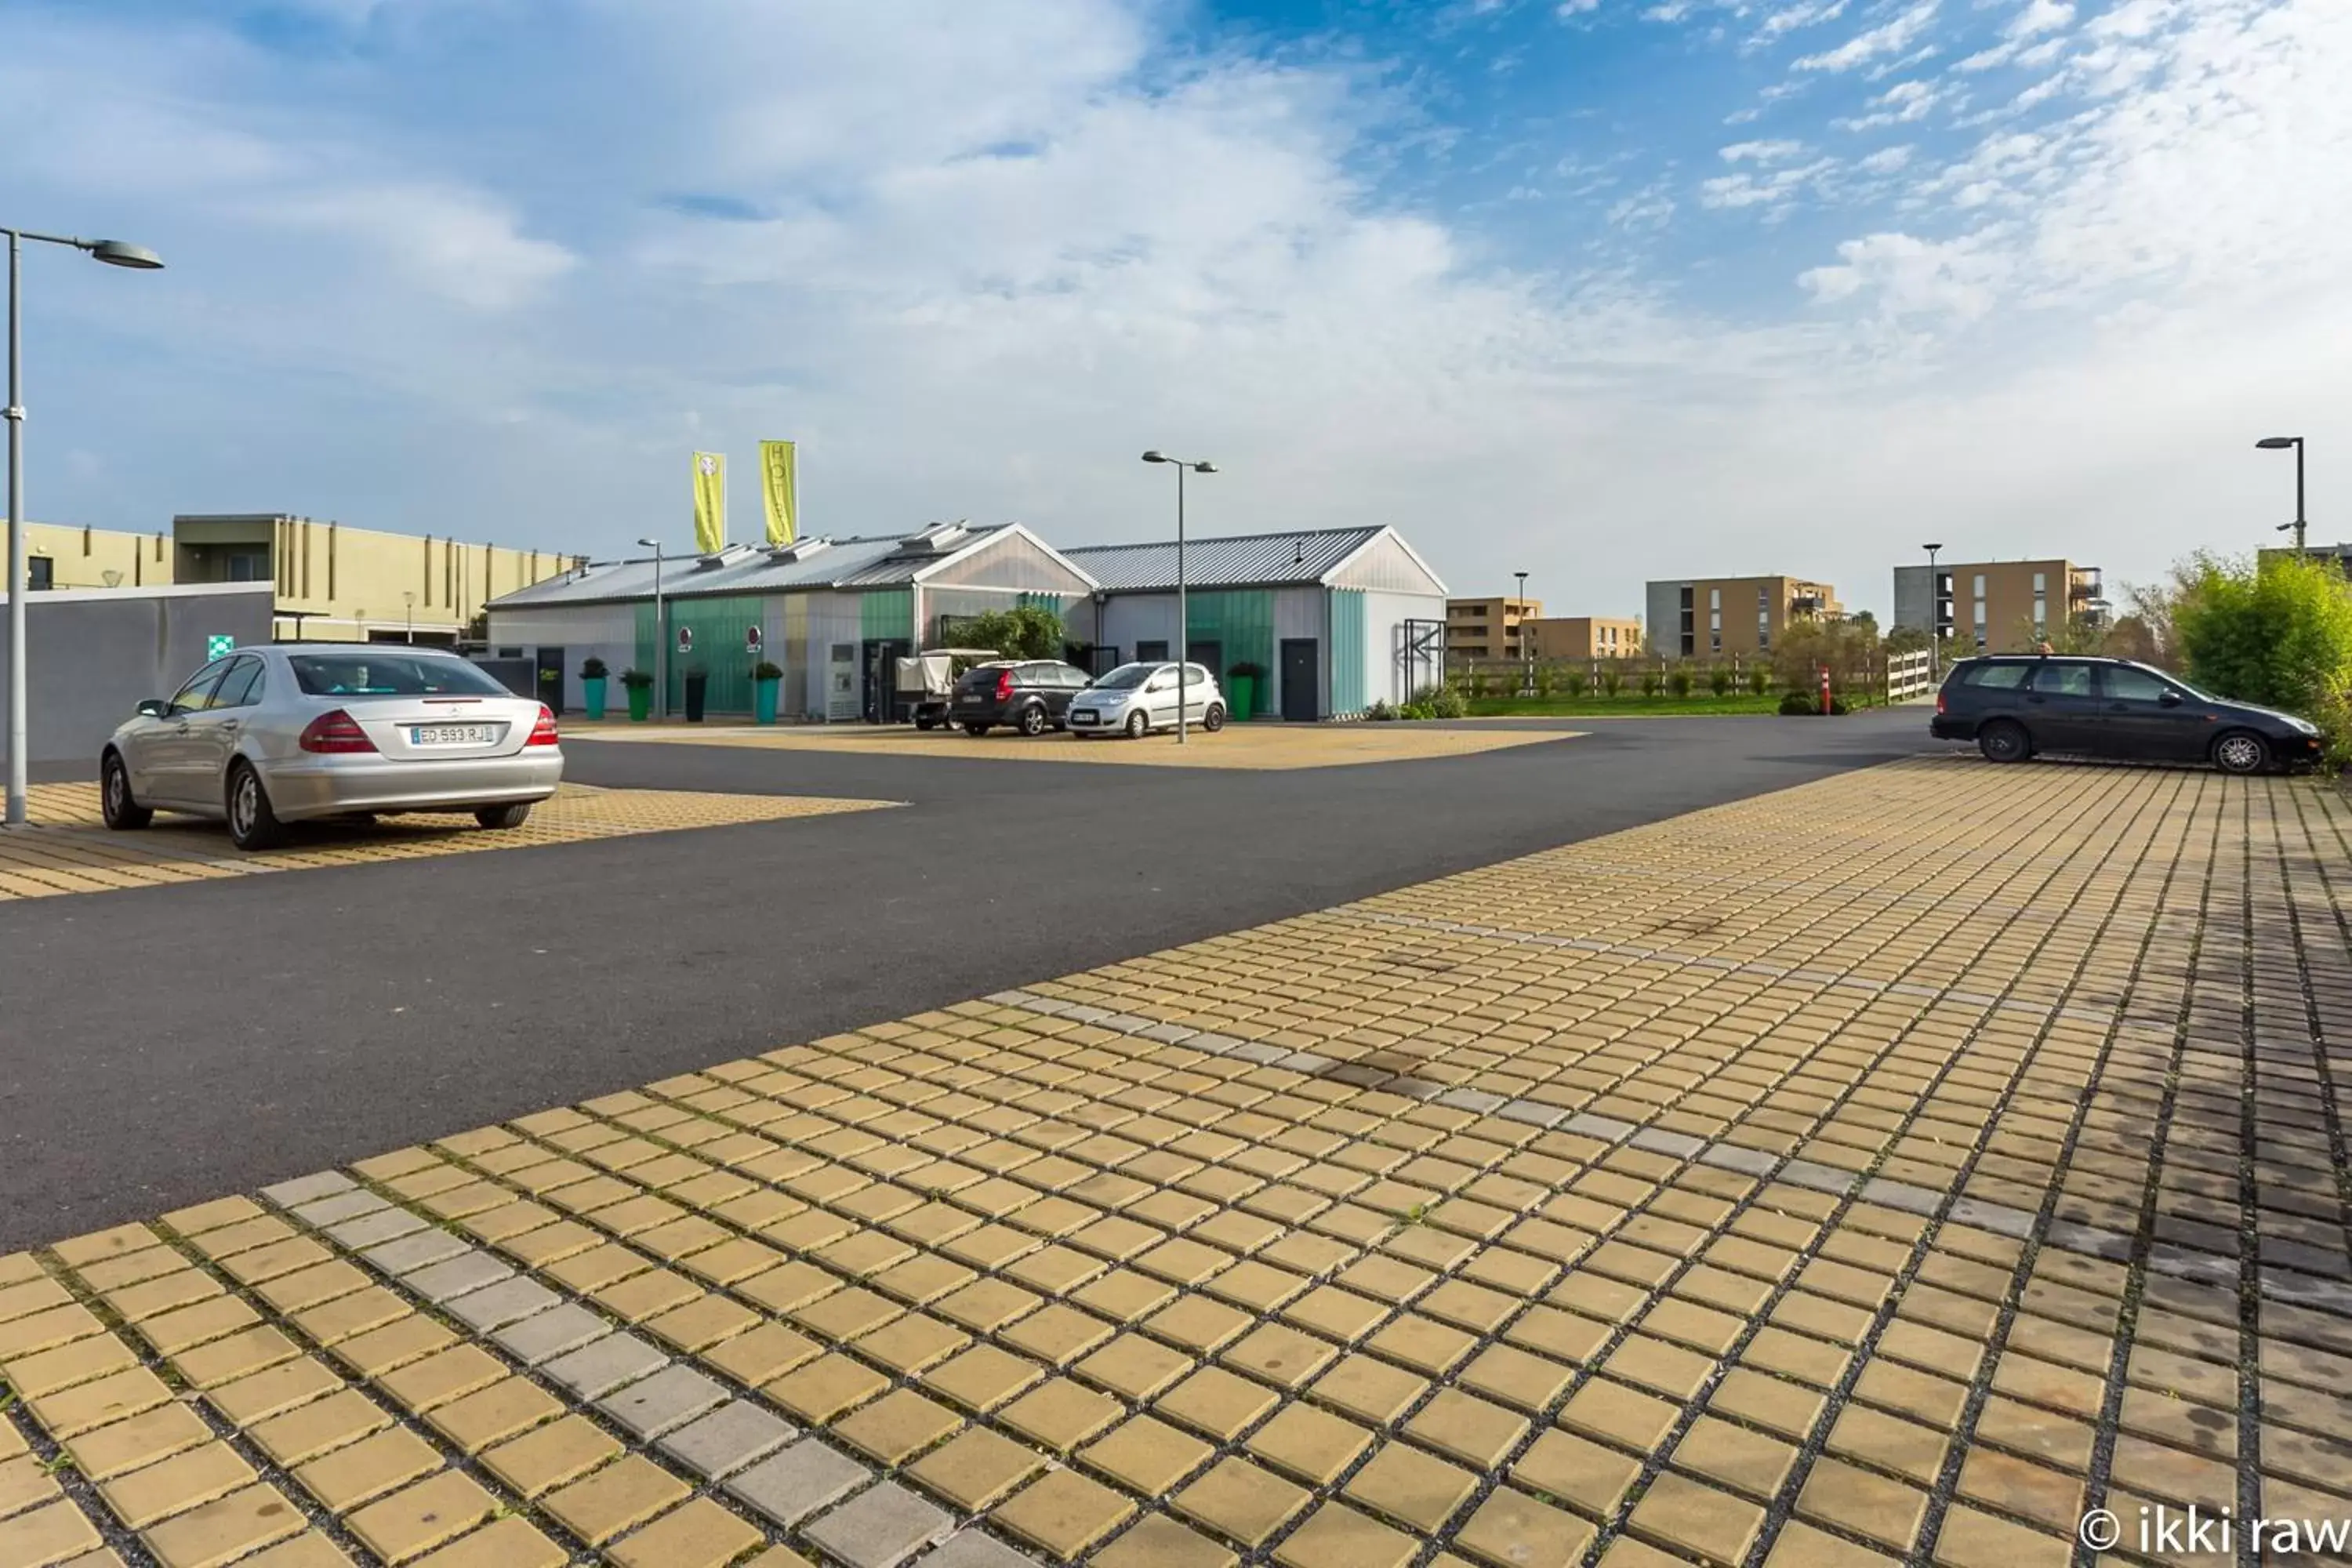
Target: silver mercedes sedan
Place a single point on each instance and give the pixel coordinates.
(266, 736)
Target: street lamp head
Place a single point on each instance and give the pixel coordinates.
(1155, 457)
(119, 253)
(1204, 468)
(2278, 443)
(650, 543)
(1931, 547)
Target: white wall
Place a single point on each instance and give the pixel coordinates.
(1385, 677)
(1131, 618)
(832, 618)
(608, 632)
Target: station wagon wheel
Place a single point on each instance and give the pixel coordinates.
(1033, 720)
(2240, 752)
(2003, 742)
(123, 813)
(252, 824)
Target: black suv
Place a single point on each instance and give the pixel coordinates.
(1031, 695)
(2014, 706)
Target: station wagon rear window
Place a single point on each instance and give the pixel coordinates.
(373, 674)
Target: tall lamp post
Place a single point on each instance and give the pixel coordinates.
(114, 253)
(661, 636)
(1526, 655)
(1935, 609)
(2279, 444)
(1183, 623)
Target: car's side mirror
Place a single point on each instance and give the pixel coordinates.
(154, 708)
(2170, 700)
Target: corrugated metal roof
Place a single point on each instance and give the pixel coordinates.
(748, 569)
(1254, 560)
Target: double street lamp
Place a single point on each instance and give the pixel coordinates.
(114, 253)
(1183, 624)
(2279, 444)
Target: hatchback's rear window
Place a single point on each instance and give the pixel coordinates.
(375, 674)
(979, 676)
(2008, 677)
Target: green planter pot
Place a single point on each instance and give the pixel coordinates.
(1242, 691)
(641, 704)
(592, 690)
(763, 702)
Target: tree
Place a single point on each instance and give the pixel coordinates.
(1026, 631)
(1905, 639)
(2075, 634)
(2278, 632)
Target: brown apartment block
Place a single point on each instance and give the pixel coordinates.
(1710, 618)
(1997, 606)
(1487, 628)
(1582, 637)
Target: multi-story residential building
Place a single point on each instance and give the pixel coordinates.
(2339, 553)
(1582, 637)
(1711, 617)
(333, 583)
(1997, 606)
(1487, 628)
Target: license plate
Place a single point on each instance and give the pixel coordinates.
(972, 702)
(453, 735)
(1082, 715)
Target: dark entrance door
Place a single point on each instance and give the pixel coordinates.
(550, 680)
(883, 704)
(1302, 685)
(1208, 656)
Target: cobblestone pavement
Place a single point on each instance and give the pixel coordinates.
(1887, 1169)
(70, 851)
(1271, 747)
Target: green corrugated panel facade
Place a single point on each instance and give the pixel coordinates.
(886, 613)
(1347, 652)
(1240, 622)
(719, 624)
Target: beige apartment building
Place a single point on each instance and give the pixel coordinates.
(1582, 637)
(1487, 628)
(1997, 606)
(333, 583)
(1715, 618)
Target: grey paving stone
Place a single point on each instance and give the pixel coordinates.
(728, 1438)
(548, 1334)
(1733, 1157)
(1305, 1061)
(797, 1482)
(1012, 999)
(1171, 1034)
(602, 1365)
(1359, 1074)
(1608, 1129)
(1999, 1218)
(370, 1229)
(2090, 1239)
(341, 1206)
(448, 1281)
(304, 1189)
(2197, 1267)
(1414, 1087)
(506, 1302)
(1476, 1100)
(1128, 1023)
(1820, 1178)
(971, 1549)
(881, 1528)
(1084, 1014)
(1901, 1195)
(670, 1398)
(1534, 1112)
(1258, 1051)
(2309, 1291)
(1220, 1045)
(419, 1249)
(1658, 1140)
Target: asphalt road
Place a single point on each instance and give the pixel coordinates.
(163, 1046)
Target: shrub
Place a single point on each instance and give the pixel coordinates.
(2278, 633)
(592, 668)
(635, 680)
(1759, 678)
(1680, 681)
(1380, 712)
(1838, 709)
(1447, 703)
(1612, 680)
(1544, 677)
(1797, 704)
(1572, 683)
(1718, 680)
(1247, 669)
(764, 671)
(1415, 711)
(1025, 631)
(1652, 683)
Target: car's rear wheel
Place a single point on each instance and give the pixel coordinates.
(1214, 718)
(975, 728)
(123, 813)
(1137, 726)
(2241, 751)
(252, 824)
(924, 722)
(1036, 721)
(504, 817)
(2004, 741)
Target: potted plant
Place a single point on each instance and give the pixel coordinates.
(1240, 687)
(592, 685)
(640, 688)
(766, 678)
(697, 689)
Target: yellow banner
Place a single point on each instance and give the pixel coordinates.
(779, 485)
(710, 502)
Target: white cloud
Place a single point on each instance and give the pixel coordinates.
(1886, 161)
(1760, 152)
(2039, 17)
(1890, 37)
(1905, 103)
(1789, 18)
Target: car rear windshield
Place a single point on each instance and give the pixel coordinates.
(390, 675)
(2008, 677)
(981, 675)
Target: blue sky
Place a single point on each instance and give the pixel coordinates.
(1604, 290)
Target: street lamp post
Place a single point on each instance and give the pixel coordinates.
(408, 599)
(1527, 654)
(661, 638)
(2279, 444)
(114, 253)
(1183, 624)
(1935, 610)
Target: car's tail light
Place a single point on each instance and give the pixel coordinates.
(542, 733)
(334, 732)
(1004, 687)
(1939, 704)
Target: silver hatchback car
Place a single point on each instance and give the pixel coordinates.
(1136, 699)
(266, 736)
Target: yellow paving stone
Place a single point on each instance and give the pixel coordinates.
(175, 1485)
(1512, 1529)
(475, 1421)
(982, 1377)
(503, 1544)
(47, 1534)
(311, 1429)
(418, 1518)
(347, 1477)
(223, 1233)
(701, 1323)
(1063, 1513)
(24, 1482)
(221, 1360)
(550, 1456)
(129, 1267)
(1689, 1516)
(224, 1529)
(615, 1499)
(975, 1469)
(1059, 1416)
(45, 1372)
(1870, 1505)
(151, 1297)
(1146, 1456)
(700, 1535)
(173, 1331)
(1157, 1542)
(311, 1286)
(645, 1295)
(1370, 1390)
(331, 1322)
(1337, 1536)
(1474, 1431)
(252, 1399)
(439, 1378)
(762, 1354)
(1243, 1503)
(1057, 1334)
(1801, 1546)
(1409, 1487)
(87, 1404)
(1217, 1402)
(825, 1388)
(897, 1426)
(156, 1434)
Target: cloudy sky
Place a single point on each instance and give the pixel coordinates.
(1601, 289)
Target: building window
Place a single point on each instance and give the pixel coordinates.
(1980, 615)
(1979, 585)
(244, 566)
(40, 573)
(2040, 582)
